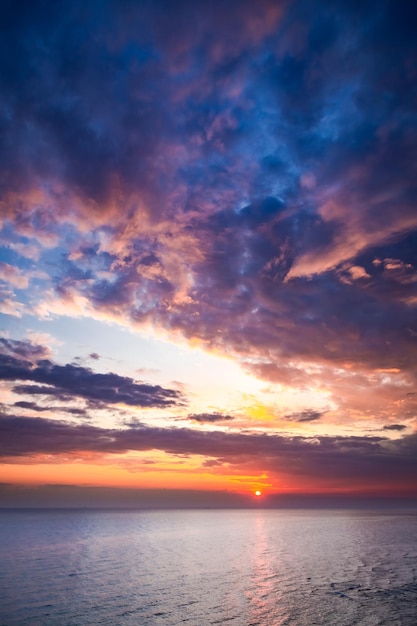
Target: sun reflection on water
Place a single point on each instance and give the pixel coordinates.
(264, 594)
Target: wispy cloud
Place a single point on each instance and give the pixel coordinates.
(209, 418)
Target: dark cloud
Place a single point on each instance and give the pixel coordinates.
(305, 416)
(26, 351)
(398, 427)
(317, 318)
(209, 417)
(118, 67)
(32, 406)
(66, 381)
(345, 459)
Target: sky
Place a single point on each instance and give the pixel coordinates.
(208, 251)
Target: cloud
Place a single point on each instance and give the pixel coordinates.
(74, 381)
(341, 460)
(27, 352)
(397, 427)
(120, 144)
(33, 406)
(308, 415)
(13, 276)
(9, 305)
(230, 175)
(209, 417)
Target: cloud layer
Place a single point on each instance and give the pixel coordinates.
(326, 461)
(239, 157)
(45, 378)
(241, 176)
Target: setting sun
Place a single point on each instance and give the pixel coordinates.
(258, 493)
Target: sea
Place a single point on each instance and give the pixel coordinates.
(201, 567)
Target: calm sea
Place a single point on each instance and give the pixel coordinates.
(242, 567)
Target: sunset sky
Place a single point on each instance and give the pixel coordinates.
(208, 249)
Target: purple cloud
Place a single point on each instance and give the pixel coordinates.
(304, 416)
(74, 381)
(345, 459)
(250, 143)
(33, 406)
(208, 418)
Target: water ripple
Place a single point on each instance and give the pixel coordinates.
(240, 568)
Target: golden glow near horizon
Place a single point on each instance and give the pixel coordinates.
(216, 387)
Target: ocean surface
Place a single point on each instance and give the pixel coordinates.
(239, 567)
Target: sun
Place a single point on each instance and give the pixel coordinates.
(258, 493)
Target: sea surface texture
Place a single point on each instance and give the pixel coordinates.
(242, 567)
